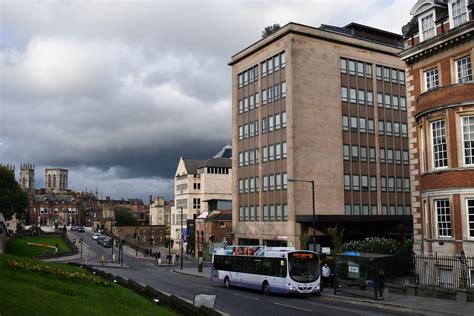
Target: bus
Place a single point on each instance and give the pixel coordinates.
(269, 269)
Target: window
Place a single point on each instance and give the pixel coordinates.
(246, 131)
(250, 71)
(256, 100)
(271, 180)
(345, 123)
(256, 155)
(241, 106)
(401, 77)
(241, 132)
(458, 11)
(270, 65)
(241, 213)
(344, 94)
(396, 129)
(255, 72)
(360, 69)
(285, 212)
(362, 125)
(398, 156)
(470, 217)
(353, 93)
(283, 89)
(246, 185)
(252, 185)
(352, 67)
(388, 128)
(383, 184)
(282, 60)
(265, 183)
(354, 124)
(378, 71)
(246, 158)
(271, 153)
(264, 153)
(368, 70)
(370, 98)
(346, 152)
(373, 184)
(431, 79)
(269, 94)
(443, 218)
(364, 183)
(283, 119)
(276, 91)
(464, 70)
(256, 127)
(343, 65)
(277, 151)
(241, 159)
(382, 155)
(363, 153)
(356, 210)
(406, 185)
(265, 212)
(355, 182)
(389, 156)
(395, 101)
(257, 184)
(279, 214)
(245, 78)
(372, 157)
(264, 125)
(264, 96)
(283, 149)
(387, 100)
(285, 180)
(391, 184)
(468, 139)
(394, 74)
(270, 123)
(399, 184)
(241, 80)
(355, 153)
(276, 62)
(381, 127)
(347, 182)
(405, 157)
(252, 213)
(440, 151)
(361, 96)
(278, 181)
(380, 99)
(403, 103)
(386, 74)
(427, 26)
(370, 126)
(347, 209)
(241, 185)
(404, 130)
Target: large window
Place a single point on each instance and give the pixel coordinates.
(443, 217)
(470, 217)
(468, 139)
(431, 79)
(427, 24)
(440, 150)
(464, 69)
(458, 10)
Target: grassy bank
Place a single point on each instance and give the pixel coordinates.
(19, 246)
(31, 287)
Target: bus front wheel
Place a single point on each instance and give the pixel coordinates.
(227, 282)
(266, 288)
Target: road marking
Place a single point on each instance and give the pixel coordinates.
(291, 306)
(252, 298)
(352, 311)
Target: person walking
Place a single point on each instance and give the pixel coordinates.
(381, 282)
(326, 272)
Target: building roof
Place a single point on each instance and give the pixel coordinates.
(217, 162)
(192, 165)
(219, 216)
(47, 198)
(225, 152)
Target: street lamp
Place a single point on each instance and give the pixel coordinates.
(181, 243)
(314, 212)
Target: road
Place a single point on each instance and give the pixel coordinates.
(231, 301)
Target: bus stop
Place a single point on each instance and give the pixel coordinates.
(360, 274)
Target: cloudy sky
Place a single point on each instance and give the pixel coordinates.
(117, 91)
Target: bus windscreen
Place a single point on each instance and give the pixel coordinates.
(303, 266)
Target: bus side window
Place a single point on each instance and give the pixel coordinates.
(257, 266)
(279, 267)
(227, 263)
(267, 266)
(247, 265)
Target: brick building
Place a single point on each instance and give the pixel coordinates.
(438, 51)
(326, 105)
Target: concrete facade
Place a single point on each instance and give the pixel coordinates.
(160, 212)
(441, 126)
(312, 132)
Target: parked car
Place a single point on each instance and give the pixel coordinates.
(81, 229)
(106, 243)
(96, 236)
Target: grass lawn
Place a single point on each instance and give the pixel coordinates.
(59, 289)
(19, 246)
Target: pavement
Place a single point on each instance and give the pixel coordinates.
(408, 303)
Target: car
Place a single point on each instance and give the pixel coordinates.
(106, 243)
(81, 229)
(96, 236)
(100, 239)
(74, 228)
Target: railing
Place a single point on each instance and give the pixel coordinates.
(442, 271)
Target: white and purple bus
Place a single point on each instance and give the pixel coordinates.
(269, 269)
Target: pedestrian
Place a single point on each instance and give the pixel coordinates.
(381, 282)
(102, 260)
(156, 257)
(74, 241)
(146, 252)
(326, 272)
(177, 258)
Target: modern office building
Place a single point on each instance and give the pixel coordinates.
(326, 105)
(438, 54)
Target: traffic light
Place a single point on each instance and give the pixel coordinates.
(171, 243)
(167, 243)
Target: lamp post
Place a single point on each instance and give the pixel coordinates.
(314, 211)
(181, 243)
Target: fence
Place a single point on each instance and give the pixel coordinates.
(443, 271)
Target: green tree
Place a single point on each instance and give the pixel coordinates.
(125, 217)
(269, 30)
(13, 200)
(336, 237)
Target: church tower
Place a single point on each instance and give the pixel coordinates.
(27, 176)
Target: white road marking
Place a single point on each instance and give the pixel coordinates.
(252, 298)
(291, 306)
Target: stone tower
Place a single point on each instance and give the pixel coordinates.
(27, 176)
(56, 180)
(9, 166)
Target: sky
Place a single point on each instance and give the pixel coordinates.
(117, 91)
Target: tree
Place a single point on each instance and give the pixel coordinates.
(13, 200)
(336, 237)
(124, 217)
(269, 30)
